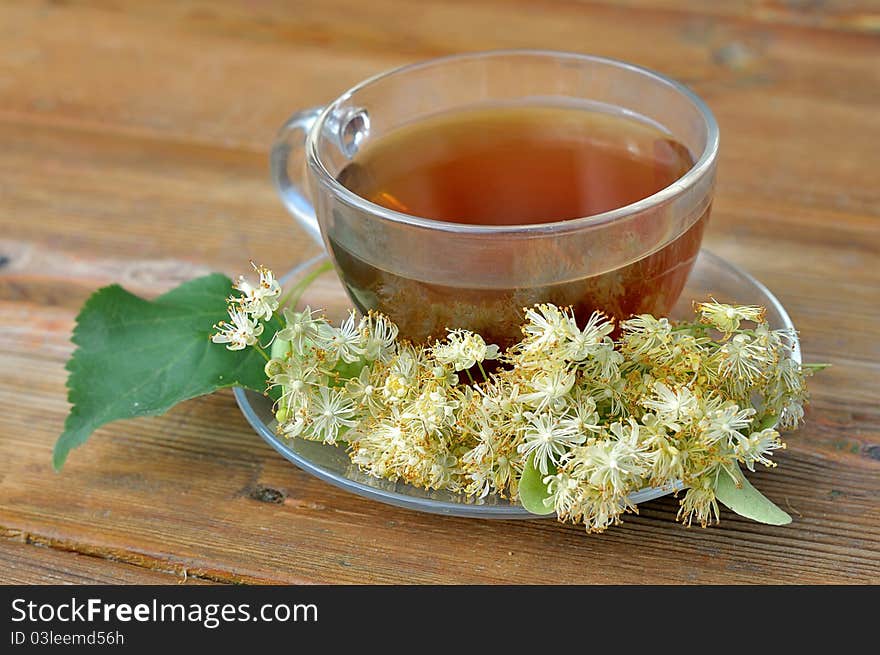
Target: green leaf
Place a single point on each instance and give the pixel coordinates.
(533, 494)
(136, 357)
(747, 501)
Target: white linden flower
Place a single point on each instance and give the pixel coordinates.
(504, 472)
(295, 377)
(610, 393)
(548, 387)
(294, 427)
(301, 328)
(330, 411)
(699, 503)
(669, 461)
(710, 404)
(549, 440)
(583, 416)
(743, 358)
(791, 415)
(599, 511)
(546, 326)
(607, 360)
(726, 318)
(433, 409)
(343, 342)
(758, 447)
(588, 342)
(644, 334)
(463, 349)
(240, 333)
(449, 352)
(444, 375)
(401, 379)
(727, 423)
(563, 490)
(363, 392)
(443, 469)
(789, 371)
(611, 465)
(260, 300)
(379, 337)
(773, 340)
(672, 406)
(485, 433)
(496, 398)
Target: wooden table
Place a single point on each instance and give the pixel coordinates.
(134, 149)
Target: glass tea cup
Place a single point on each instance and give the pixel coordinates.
(429, 275)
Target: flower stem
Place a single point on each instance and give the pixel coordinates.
(483, 372)
(296, 291)
(262, 352)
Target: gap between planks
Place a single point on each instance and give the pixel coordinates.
(179, 570)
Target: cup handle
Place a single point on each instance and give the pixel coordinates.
(290, 140)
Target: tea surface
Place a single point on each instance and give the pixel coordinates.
(516, 165)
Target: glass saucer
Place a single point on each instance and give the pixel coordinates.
(711, 276)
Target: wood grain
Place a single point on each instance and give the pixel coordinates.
(36, 564)
(139, 154)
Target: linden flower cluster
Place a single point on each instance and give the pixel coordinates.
(597, 418)
(256, 302)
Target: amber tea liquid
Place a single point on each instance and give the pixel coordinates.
(518, 165)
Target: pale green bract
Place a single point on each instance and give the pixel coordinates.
(533, 493)
(745, 500)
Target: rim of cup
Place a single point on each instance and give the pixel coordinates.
(700, 167)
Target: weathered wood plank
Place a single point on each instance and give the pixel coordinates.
(856, 15)
(23, 563)
(252, 64)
